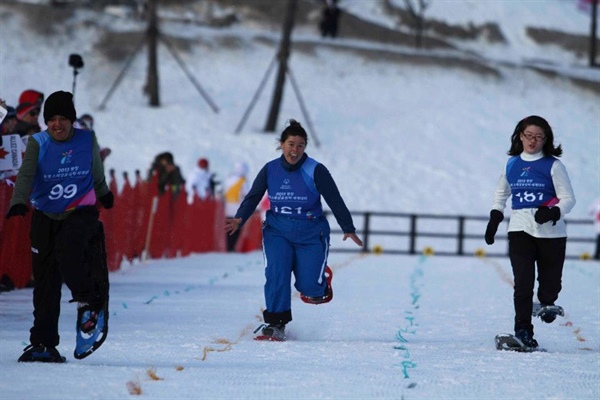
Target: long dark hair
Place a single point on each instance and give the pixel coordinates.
(293, 129)
(516, 146)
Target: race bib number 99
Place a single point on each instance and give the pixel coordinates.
(67, 192)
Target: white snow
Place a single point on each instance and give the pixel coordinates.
(398, 327)
(397, 136)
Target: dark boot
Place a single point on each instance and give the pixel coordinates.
(526, 337)
(41, 353)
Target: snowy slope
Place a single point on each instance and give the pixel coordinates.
(410, 120)
(398, 327)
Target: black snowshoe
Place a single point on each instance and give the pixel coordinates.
(547, 313)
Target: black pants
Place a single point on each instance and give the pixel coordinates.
(524, 251)
(60, 252)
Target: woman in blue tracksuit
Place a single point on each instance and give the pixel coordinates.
(295, 232)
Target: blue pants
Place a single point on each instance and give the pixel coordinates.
(295, 246)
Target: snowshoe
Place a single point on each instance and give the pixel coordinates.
(547, 313)
(92, 321)
(41, 353)
(272, 333)
(327, 297)
(92, 328)
(508, 342)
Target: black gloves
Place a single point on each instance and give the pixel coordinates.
(545, 214)
(107, 200)
(495, 218)
(17, 209)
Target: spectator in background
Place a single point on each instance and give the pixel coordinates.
(235, 188)
(9, 122)
(155, 166)
(63, 225)
(541, 197)
(200, 182)
(31, 96)
(7, 127)
(169, 174)
(594, 211)
(329, 19)
(28, 112)
(87, 122)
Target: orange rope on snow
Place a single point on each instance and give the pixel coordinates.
(227, 344)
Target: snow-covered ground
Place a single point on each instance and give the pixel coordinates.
(398, 327)
(397, 135)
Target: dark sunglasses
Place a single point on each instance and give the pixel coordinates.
(34, 113)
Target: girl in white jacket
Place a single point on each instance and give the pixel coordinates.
(541, 196)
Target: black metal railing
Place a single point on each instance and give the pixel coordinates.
(455, 235)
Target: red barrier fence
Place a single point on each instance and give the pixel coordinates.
(142, 224)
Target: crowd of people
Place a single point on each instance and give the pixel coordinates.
(23, 120)
(202, 184)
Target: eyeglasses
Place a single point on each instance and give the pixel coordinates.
(34, 113)
(529, 136)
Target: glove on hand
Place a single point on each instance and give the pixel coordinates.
(495, 218)
(107, 200)
(545, 214)
(17, 209)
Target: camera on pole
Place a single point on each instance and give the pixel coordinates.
(76, 62)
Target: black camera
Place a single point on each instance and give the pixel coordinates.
(76, 61)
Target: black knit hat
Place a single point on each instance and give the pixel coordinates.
(60, 103)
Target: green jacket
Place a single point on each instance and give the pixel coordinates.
(28, 170)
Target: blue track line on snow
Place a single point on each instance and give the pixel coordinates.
(211, 281)
(409, 328)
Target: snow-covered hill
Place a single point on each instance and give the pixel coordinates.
(400, 129)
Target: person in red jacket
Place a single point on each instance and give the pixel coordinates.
(28, 112)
